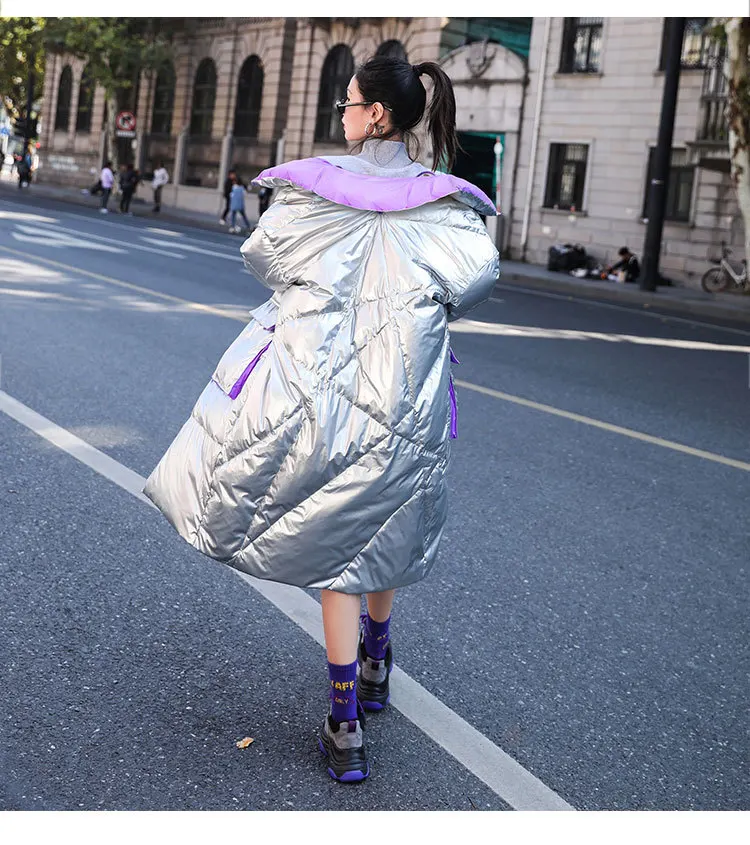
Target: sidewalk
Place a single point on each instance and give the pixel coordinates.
(722, 306)
(697, 303)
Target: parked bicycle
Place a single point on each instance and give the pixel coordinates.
(725, 276)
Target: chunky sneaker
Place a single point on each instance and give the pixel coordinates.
(372, 678)
(343, 745)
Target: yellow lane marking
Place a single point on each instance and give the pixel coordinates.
(194, 306)
(497, 394)
(616, 429)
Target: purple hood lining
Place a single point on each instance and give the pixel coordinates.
(374, 193)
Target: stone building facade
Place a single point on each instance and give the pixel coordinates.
(247, 92)
(583, 165)
(556, 118)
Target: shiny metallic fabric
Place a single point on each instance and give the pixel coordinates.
(328, 468)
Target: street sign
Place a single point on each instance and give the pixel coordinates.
(125, 121)
(125, 125)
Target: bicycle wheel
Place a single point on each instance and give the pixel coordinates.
(715, 280)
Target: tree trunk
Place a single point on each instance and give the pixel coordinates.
(111, 140)
(738, 115)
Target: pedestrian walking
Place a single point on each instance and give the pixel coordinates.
(161, 178)
(237, 203)
(317, 454)
(128, 183)
(228, 183)
(24, 168)
(107, 178)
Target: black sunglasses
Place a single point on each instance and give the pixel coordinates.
(340, 105)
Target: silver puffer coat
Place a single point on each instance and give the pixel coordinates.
(317, 454)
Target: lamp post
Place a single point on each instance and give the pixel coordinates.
(498, 150)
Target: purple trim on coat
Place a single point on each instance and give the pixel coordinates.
(454, 410)
(374, 193)
(240, 383)
(454, 360)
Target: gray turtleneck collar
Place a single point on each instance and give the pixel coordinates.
(379, 157)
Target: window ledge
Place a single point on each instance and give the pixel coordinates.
(563, 211)
(683, 69)
(583, 74)
(682, 224)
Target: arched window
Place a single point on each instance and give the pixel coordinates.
(249, 98)
(64, 94)
(161, 115)
(204, 97)
(337, 71)
(85, 101)
(394, 49)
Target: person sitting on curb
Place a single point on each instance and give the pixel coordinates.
(627, 268)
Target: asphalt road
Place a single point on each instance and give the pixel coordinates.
(588, 614)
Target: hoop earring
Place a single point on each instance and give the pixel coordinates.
(369, 129)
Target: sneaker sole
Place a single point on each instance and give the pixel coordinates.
(375, 705)
(347, 777)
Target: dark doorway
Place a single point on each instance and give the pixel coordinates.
(476, 162)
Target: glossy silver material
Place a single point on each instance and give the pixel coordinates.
(328, 469)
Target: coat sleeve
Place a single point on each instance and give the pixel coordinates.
(260, 251)
(465, 264)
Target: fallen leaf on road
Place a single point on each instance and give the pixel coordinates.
(243, 743)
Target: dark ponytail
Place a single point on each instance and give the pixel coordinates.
(441, 120)
(396, 84)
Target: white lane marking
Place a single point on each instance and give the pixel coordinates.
(634, 309)
(616, 429)
(467, 326)
(190, 248)
(42, 237)
(130, 223)
(485, 760)
(44, 230)
(231, 312)
(20, 215)
(165, 232)
(74, 446)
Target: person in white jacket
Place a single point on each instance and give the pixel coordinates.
(161, 177)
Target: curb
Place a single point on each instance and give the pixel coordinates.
(637, 297)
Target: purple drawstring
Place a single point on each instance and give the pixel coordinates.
(452, 391)
(240, 383)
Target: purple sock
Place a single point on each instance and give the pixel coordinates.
(343, 691)
(376, 637)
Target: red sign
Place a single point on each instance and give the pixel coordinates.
(125, 121)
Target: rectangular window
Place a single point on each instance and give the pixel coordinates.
(695, 44)
(679, 186)
(566, 176)
(582, 45)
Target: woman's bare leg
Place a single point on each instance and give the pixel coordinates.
(379, 605)
(340, 626)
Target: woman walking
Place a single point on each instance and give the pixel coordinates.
(317, 454)
(237, 204)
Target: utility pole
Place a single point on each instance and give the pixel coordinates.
(657, 196)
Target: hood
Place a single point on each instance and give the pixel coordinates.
(374, 193)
